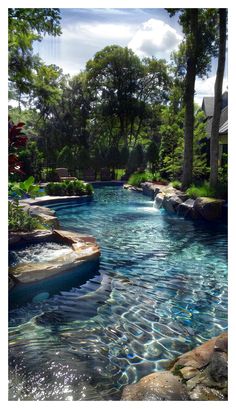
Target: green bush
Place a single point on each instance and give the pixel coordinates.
(139, 177)
(69, 188)
(20, 220)
(50, 175)
(204, 190)
(176, 184)
(27, 188)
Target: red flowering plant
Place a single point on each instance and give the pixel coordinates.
(16, 139)
(19, 219)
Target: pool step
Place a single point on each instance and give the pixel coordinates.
(78, 304)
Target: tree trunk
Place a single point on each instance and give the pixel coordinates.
(189, 100)
(214, 144)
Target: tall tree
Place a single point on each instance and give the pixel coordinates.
(199, 27)
(214, 144)
(191, 54)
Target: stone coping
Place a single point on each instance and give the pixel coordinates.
(43, 200)
(81, 248)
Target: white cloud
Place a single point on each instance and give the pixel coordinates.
(154, 37)
(97, 31)
(205, 88)
(107, 30)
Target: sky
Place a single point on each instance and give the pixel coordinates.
(148, 32)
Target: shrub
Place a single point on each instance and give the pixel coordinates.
(176, 184)
(69, 188)
(139, 177)
(50, 175)
(20, 220)
(203, 190)
(27, 188)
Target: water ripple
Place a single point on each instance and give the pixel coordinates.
(160, 291)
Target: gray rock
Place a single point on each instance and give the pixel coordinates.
(186, 209)
(171, 203)
(209, 208)
(159, 200)
(218, 367)
(160, 386)
(38, 210)
(150, 189)
(204, 393)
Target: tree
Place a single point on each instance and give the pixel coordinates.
(214, 143)
(122, 89)
(152, 155)
(32, 160)
(26, 25)
(199, 27)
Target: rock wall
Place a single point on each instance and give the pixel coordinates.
(177, 202)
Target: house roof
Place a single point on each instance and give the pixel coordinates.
(208, 104)
(223, 123)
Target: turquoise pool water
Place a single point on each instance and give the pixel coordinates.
(160, 290)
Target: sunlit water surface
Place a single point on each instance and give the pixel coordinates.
(161, 289)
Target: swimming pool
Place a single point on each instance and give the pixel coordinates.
(160, 290)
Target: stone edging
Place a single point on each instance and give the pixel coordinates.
(81, 248)
(175, 201)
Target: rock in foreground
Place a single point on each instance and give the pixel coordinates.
(200, 374)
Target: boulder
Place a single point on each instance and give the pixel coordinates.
(200, 374)
(209, 208)
(150, 189)
(218, 367)
(171, 203)
(200, 356)
(160, 386)
(159, 200)
(186, 209)
(133, 188)
(204, 393)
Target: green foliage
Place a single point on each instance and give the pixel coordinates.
(152, 155)
(176, 184)
(223, 170)
(203, 190)
(50, 175)
(25, 188)
(69, 188)
(74, 157)
(136, 158)
(119, 173)
(25, 26)
(172, 141)
(32, 160)
(139, 177)
(20, 220)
